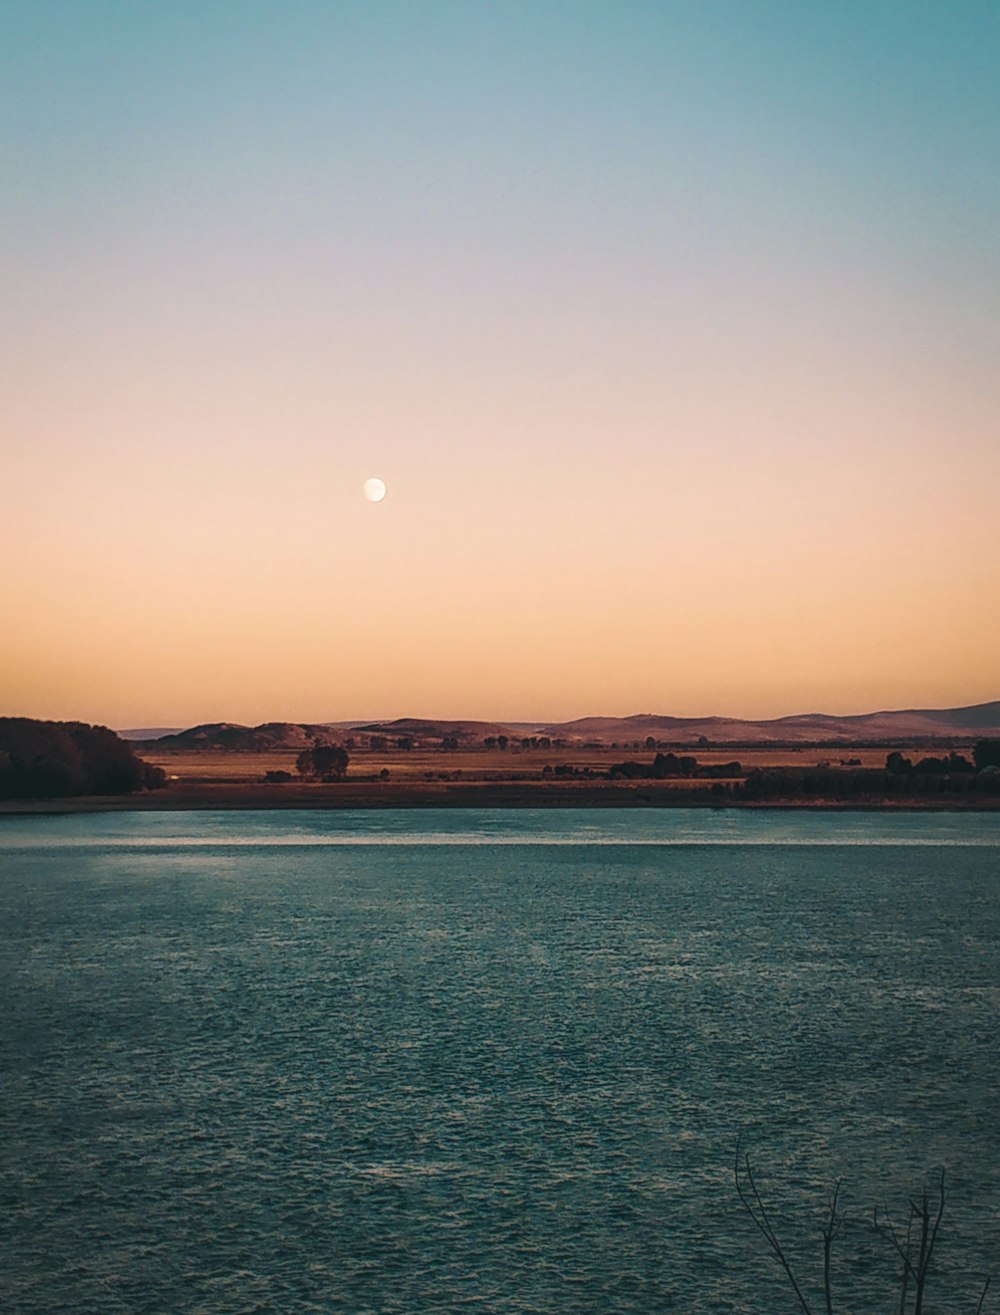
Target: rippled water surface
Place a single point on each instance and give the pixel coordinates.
(496, 1062)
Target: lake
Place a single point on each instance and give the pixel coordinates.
(496, 1061)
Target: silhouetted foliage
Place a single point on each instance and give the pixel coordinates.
(277, 777)
(929, 779)
(955, 762)
(58, 759)
(986, 754)
(666, 766)
(378, 743)
(327, 762)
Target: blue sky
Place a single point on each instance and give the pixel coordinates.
(603, 265)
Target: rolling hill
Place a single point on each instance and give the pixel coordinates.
(251, 739)
(914, 725)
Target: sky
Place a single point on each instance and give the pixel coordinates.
(672, 329)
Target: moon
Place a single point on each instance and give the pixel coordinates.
(374, 490)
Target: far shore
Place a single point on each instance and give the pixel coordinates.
(203, 796)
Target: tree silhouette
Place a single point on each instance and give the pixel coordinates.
(328, 762)
(914, 1247)
(56, 759)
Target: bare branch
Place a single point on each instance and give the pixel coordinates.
(923, 1215)
(904, 1250)
(915, 1250)
(829, 1232)
(937, 1221)
(982, 1296)
(758, 1213)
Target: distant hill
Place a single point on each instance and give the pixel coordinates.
(914, 725)
(149, 732)
(420, 728)
(252, 739)
(982, 719)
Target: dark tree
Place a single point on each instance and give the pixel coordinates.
(56, 759)
(328, 762)
(986, 754)
(502, 741)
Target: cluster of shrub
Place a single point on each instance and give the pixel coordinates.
(526, 742)
(668, 765)
(900, 778)
(324, 762)
(321, 765)
(954, 774)
(60, 759)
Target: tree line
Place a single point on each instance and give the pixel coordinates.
(666, 766)
(62, 759)
(929, 778)
(901, 778)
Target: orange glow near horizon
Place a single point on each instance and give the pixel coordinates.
(691, 583)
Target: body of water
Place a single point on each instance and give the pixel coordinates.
(498, 1061)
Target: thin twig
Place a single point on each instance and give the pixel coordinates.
(763, 1223)
(937, 1221)
(828, 1235)
(982, 1295)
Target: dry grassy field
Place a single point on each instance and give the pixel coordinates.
(514, 764)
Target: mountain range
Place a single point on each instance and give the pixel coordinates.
(897, 727)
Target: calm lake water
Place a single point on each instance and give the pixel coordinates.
(489, 1061)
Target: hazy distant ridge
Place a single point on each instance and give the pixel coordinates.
(269, 735)
(981, 719)
(913, 723)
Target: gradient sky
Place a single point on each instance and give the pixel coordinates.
(673, 329)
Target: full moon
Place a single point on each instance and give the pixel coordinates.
(374, 490)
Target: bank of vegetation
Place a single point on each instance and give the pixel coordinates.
(953, 776)
(64, 759)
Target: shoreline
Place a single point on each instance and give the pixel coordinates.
(514, 795)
